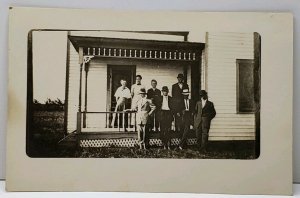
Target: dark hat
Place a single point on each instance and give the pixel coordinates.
(165, 88)
(185, 92)
(203, 93)
(142, 91)
(180, 76)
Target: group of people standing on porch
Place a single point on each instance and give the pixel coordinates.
(156, 110)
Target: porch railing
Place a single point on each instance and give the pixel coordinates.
(121, 121)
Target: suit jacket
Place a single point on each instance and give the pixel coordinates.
(177, 96)
(151, 94)
(165, 118)
(159, 100)
(143, 110)
(207, 113)
(188, 115)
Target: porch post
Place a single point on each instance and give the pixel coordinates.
(81, 62)
(86, 69)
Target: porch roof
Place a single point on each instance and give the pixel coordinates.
(86, 41)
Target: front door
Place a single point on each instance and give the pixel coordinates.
(116, 74)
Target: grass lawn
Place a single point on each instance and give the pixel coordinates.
(48, 131)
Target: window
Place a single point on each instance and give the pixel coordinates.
(245, 86)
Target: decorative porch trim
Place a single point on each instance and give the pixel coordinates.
(104, 47)
(141, 54)
(129, 142)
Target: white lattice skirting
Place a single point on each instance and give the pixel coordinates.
(128, 142)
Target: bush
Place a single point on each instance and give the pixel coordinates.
(49, 105)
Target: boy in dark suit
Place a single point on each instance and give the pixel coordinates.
(204, 113)
(165, 108)
(153, 94)
(187, 115)
(178, 99)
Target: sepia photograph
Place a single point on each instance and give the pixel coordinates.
(143, 94)
(135, 101)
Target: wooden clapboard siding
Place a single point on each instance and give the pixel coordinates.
(222, 50)
(73, 89)
(96, 93)
(165, 74)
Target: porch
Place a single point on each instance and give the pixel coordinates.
(104, 61)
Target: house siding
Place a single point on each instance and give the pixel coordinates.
(73, 89)
(165, 74)
(222, 50)
(96, 97)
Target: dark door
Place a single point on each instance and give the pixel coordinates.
(117, 73)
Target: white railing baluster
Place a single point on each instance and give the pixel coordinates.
(123, 121)
(118, 120)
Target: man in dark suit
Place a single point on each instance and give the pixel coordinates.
(178, 99)
(153, 94)
(165, 108)
(204, 113)
(187, 116)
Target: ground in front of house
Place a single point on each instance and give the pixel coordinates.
(48, 131)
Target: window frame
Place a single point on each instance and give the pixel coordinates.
(238, 62)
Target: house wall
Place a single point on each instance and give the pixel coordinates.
(73, 89)
(96, 97)
(222, 50)
(164, 73)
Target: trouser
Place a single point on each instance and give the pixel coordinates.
(165, 126)
(143, 134)
(202, 131)
(187, 121)
(178, 123)
(154, 121)
(119, 107)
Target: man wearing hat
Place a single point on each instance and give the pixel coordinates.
(187, 115)
(204, 113)
(165, 109)
(178, 100)
(144, 110)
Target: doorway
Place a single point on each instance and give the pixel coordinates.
(115, 74)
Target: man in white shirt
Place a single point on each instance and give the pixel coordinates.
(121, 95)
(165, 107)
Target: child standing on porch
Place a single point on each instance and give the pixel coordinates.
(144, 110)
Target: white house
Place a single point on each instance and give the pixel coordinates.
(226, 65)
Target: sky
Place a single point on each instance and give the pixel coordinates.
(50, 55)
(49, 64)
